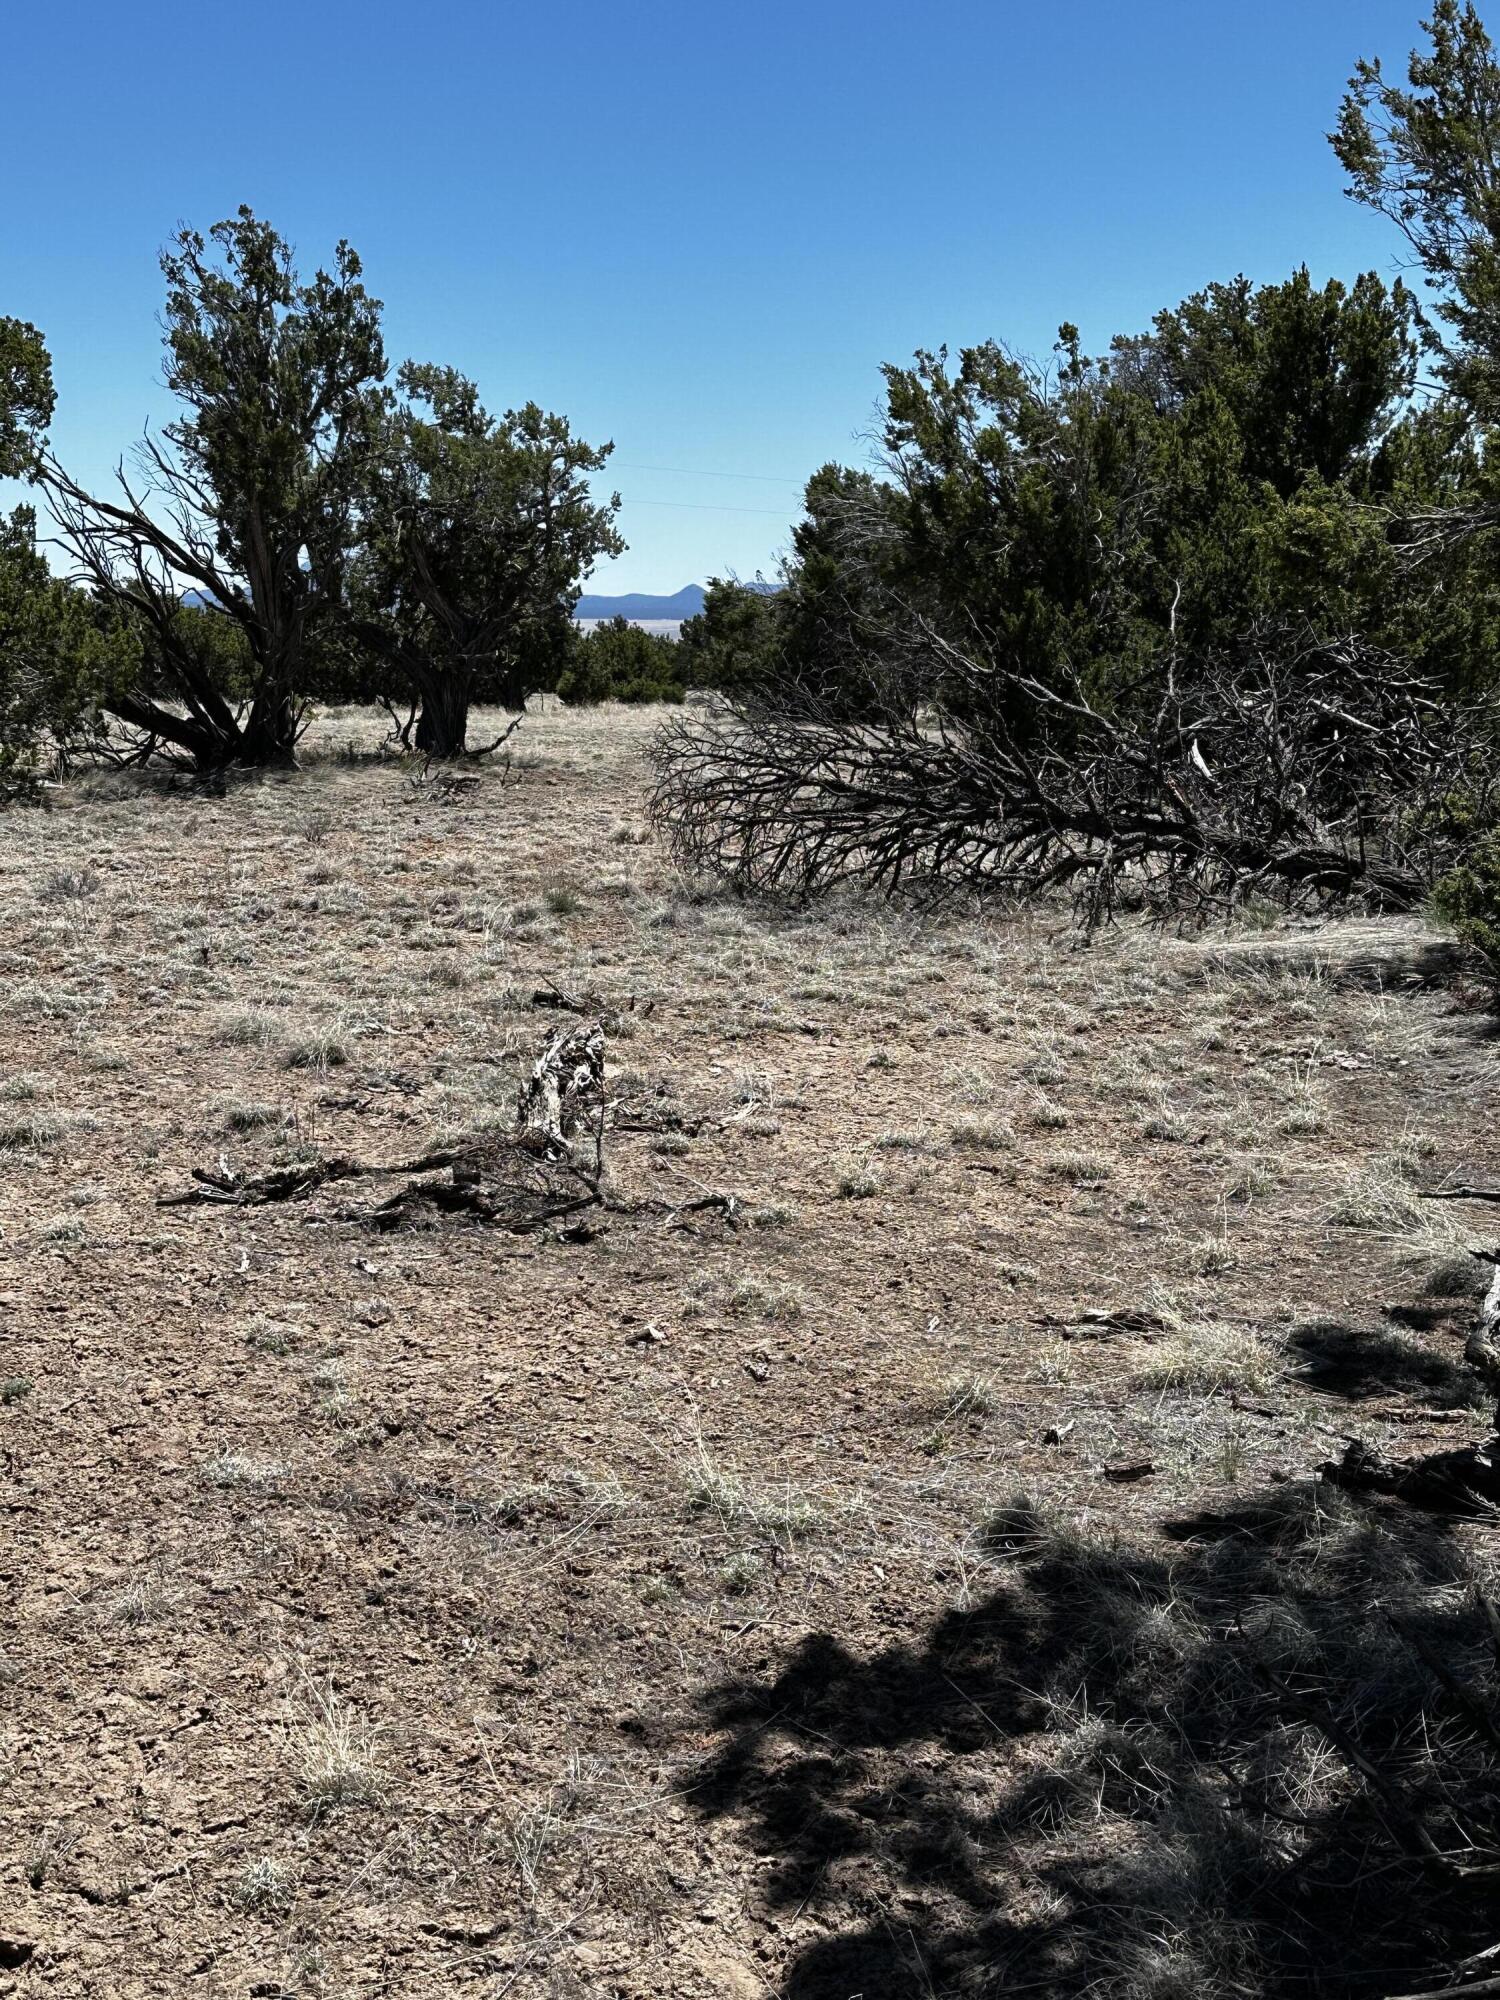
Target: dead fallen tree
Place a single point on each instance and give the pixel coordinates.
(547, 1170)
(1293, 768)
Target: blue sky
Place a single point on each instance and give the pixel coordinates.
(696, 229)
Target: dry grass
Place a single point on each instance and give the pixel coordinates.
(334, 1749)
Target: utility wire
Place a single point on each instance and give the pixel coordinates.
(708, 507)
(695, 472)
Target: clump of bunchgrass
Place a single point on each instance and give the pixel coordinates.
(334, 1749)
(967, 1395)
(230, 1469)
(30, 1132)
(857, 1179)
(323, 1049)
(781, 1302)
(1206, 1359)
(1377, 1196)
(982, 1134)
(264, 1884)
(237, 1114)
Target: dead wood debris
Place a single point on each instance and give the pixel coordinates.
(549, 1169)
(1102, 1323)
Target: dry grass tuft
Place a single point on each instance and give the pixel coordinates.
(334, 1750)
(1206, 1360)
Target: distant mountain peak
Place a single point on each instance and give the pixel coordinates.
(685, 603)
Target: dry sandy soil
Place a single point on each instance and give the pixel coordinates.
(455, 1611)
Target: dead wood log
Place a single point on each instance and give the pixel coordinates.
(232, 1190)
(553, 996)
(563, 1094)
(726, 1205)
(1482, 1348)
(537, 1175)
(518, 1207)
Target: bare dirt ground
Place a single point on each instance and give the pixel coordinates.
(450, 1611)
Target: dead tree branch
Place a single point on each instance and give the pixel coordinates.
(1293, 767)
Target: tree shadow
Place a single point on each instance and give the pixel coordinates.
(1358, 1363)
(1217, 1763)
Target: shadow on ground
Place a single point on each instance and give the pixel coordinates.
(1251, 1759)
(1420, 1356)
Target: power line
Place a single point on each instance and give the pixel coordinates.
(696, 472)
(709, 507)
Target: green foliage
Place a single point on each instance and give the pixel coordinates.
(1078, 516)
(279, 380)
(1428, 157)
(617, 661)
(1469, 898)
(26, 396)
(255, 488)
(477, 533)
(58, 653)
(1220, 469)
(735, 641)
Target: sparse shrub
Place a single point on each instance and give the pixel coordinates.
(619, 661)
(1469, 898)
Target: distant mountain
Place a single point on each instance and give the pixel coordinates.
(687, 603)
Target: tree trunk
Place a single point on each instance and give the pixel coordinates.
(268, 738)
(443, 725)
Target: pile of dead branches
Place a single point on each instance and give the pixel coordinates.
(545, 1173)
(1291, 768)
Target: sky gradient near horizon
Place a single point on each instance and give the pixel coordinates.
(696, 230)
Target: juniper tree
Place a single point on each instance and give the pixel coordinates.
(245, 503)
(55, 651)
(477, 534)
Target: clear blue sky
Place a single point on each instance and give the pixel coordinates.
(696, 229)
